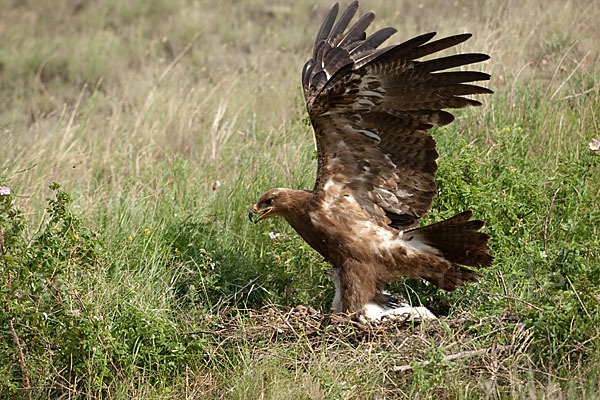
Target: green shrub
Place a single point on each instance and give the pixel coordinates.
(64, 331)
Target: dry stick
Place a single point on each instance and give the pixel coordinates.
(505, 290)
(198, 331)
(242, 288)
(578, 94)
(558, 65)
(12, 327)
(578, 298)
(74, 112)
(580, 345)
(21, 357)
(547, 219)
(451, 357)
(569, 77)
(512, 298)
(543, 373)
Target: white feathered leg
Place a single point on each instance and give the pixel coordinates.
(375, 312)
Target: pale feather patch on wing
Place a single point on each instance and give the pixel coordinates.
(380, 237)
(389, 159)
(364, 103)
(331, 183)
(386, 197)
(369, 134)
(370, 85)
(368, 80)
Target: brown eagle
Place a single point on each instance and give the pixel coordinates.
(371, 110)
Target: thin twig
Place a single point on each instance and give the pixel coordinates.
(73, 113)
(581, 344)
(21, 357)
(12, 327)
(578, 94)
(578, 298)
(198, 331)
(547, 219)
(242, 288)
(451, 357)
(505, 290)
(543, 372)
(579, 64)
(512, 298)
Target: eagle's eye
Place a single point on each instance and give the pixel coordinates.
(268, 202)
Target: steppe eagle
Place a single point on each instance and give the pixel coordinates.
(371, 110)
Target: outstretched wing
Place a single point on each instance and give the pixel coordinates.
(371, 110)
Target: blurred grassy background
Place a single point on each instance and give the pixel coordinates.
(165, 120)
(95, 92)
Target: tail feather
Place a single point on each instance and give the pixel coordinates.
(460, 242)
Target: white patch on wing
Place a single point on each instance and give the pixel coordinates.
(371, 93)
(362, 103)
(379, 237)
(386, 196)
(324, 70)
(368, 134)
(333, 195)
(387, 157)
(328, 185)
(367, 80)
(403, 194)
(315, 219)
(331, 183)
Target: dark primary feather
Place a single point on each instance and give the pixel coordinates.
(372, 108)
(373, 41)
(342, 23)
(451, 62)
(357, 31)
(325, 27)
(438, 45)
(396, 51)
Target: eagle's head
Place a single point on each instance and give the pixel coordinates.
(270, 204)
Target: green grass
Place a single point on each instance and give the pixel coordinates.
(165, 120)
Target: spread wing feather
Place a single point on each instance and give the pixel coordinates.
(372, 108)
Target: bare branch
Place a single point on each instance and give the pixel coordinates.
(512, 298)
(451, 357)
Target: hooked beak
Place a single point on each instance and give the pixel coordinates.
(261, 213)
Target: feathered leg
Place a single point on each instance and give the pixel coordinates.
(357, 285)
